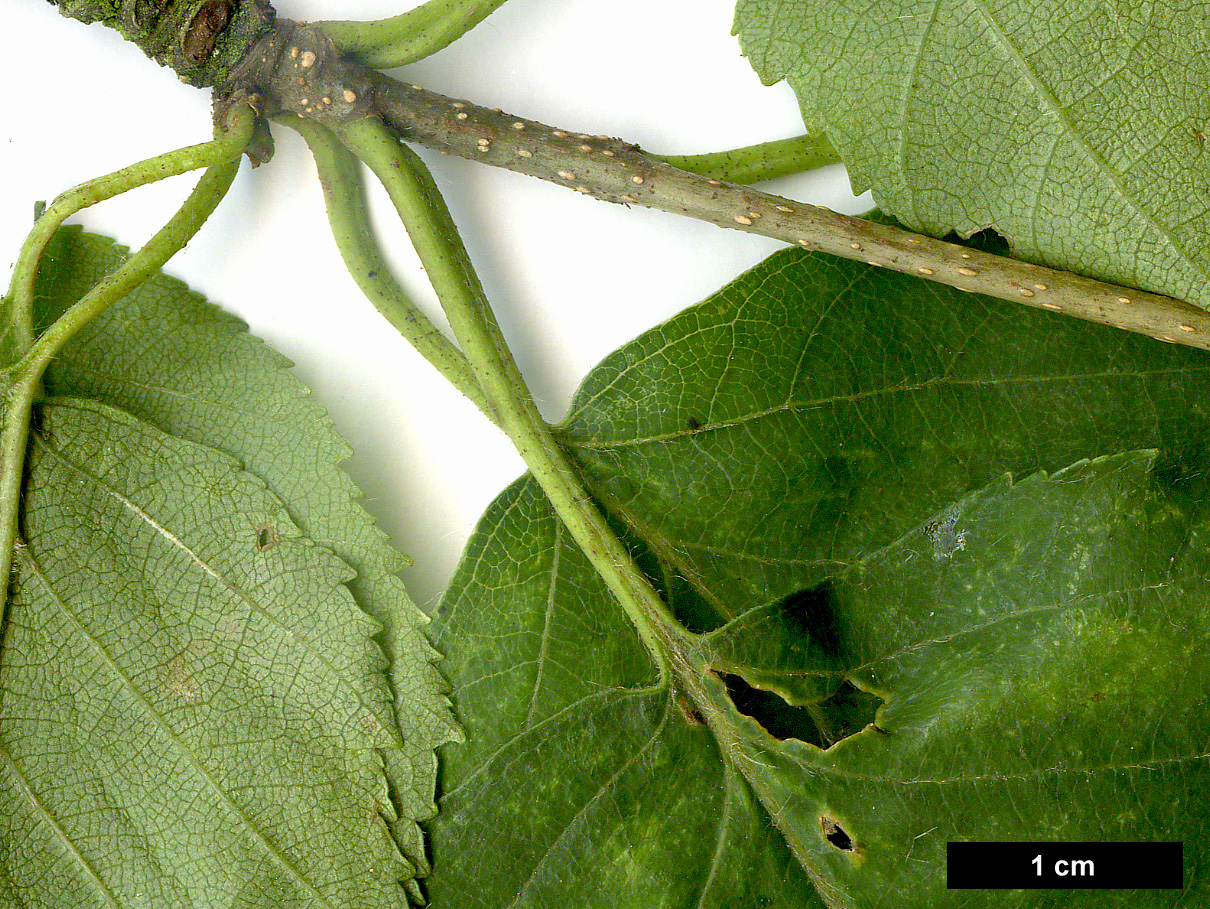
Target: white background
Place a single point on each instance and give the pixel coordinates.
(571, 278)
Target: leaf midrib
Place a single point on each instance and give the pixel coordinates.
(547, 621)
(158, 720)
(180, 546)
(720, 842)
(979, 7)
(60, 833)
(630, 761)
(515, 738)
(111, 380)
(908, 97)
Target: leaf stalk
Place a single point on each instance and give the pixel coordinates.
(229, 143)
(423, 212)
(167, 242)
(410, 36)
(763, 161)
(344, 198)
(26, 374)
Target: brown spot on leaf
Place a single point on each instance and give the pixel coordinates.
(266, 537)
(691, 714)
(178, 679)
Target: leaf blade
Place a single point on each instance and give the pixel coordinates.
(188, 370)
(164, 743)
(517, 765)
(1071, 130)
(1054, 715)
(843, 404)
(757, 449)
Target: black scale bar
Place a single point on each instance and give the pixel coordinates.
(1064, 866)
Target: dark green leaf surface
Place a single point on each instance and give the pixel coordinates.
(1049, 681)
(814, 409)
(170, 358)
(190, 699)
(792, 460)
(1077, 129)
(583, 781)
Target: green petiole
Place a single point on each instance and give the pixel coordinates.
(344, 199)
(166, 243)
(764, 161)
(410, 36)
(448, 266)
(24, 377)
(228, 144)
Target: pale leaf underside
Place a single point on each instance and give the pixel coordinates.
(194, 372)
(193, 709)
(1075, 129)
(190, 700)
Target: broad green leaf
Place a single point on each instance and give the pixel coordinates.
(584, 780)
(815, 409)
(763, 452)
(190, 699)
(1048, 681)
(170, 358)
(1076, 129)
(169, 366)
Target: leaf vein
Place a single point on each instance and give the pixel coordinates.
(162, 725)
(47, 819)
(1114, 179)
(592, 444)
(182, 547)
(659, 729)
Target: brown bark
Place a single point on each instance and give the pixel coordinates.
(201, 40)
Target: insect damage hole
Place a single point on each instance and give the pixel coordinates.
(266, 537)
(835, 834)
(848, 711)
